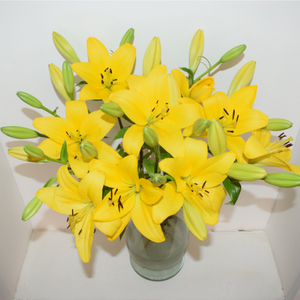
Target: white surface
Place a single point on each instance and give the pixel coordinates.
(14, 233)
(226, 266)
(269, 29)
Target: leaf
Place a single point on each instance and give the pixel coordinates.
(189, 71)
(171, 178)
(149, 165)
(233, 188)
(127, 119)
(64, 153)
(165, 155)
(121, 133)
(121, 151)
(106, 190)
(81, 83)
(162, 150)
(122, 233)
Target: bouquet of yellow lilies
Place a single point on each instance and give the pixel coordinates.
(183, 146)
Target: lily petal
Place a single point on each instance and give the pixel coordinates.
(136, 82)
(254, 148)
(89, 92)
(243, 98)
(109, 228)
(50, 148)
(236, 144)
(182, 82)
(128, 171)
(97, 53)
(150, 194)
(66, 180)
(133, 140)
(76, 111)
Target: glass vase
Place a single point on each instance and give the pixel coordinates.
(158, 261)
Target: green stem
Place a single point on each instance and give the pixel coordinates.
(52, 159)
(141, 162)
(53, 113)
(71, 96)
(120, 123)
(155, 149)
(148, 154)
(207, 71)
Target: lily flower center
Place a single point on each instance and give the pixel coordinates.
(107, 78)
(229, 121)
(197, 189)
(76, 137)
(158, 112)
(280, 144)
(119, 199)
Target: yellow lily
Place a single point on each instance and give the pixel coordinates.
(199, 91)
(104, 74)
(198, 181)
(78, 127)
(262, 152)
(79, 200)
(131, 197)
(235, 115)
(152, 56)
(150, 108)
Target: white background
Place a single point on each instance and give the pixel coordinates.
(269, 29)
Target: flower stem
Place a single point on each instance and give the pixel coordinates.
(141, 162)
(207, 71)
(53, 113)
(155, 149)
(120, 123)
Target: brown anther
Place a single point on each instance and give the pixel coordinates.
(281, 134)
(111, 83)
(72, 212)
(237, 118)
(94, 230)
(116, 191)
(102, 76)
(102, 81)
(221, 118)
(206, 191)
(115, 79)
(106, 69)
(288, 145)
(226, 111)
(167, 110)
(195, 183)
(157, 101)
(231, 131)
(79, 231)
(112, 204)
(157, 116)
(75, 156)
(120, 204)
(68, 219)
(233, 113)
(153, 109)
(192, 191)
(204, 183)
(161, 118)
(110, 71)
(111, 195)
(68, 227)
(200, 195)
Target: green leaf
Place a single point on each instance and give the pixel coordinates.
(106, 190)
(189, 71)
(81, 83)
(64, 153)
(127, 119)
(233, 188)
(149, 165)
(165, 155)
(162, 150)
(121, 151)
(122, 233)
(171, 178)
(121, 133)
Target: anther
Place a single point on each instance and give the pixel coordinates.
(110, 71)
(157, 116)
(116, 191)
(206, 191)
(221, 118)
(68, 227)
(226, 111)
(231, 131)
(75, 156)
(153, 109)
(233, 113)
(68, 219)
(79, 231)
(102, 81)
(167, 110)
(72, 212)
(106, 69)
(237, 118)
(157, 101)
(288, 145)
(203, 185)
(200, 195)
(102, 76)
(94, 230)
(161, 118)
(111, 83)
(111, 195)
(115, 79)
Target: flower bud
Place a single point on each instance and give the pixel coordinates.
(150, 137)
(202, 89)
(152, 56)
(174, 91)
(64, 153)
(200, 127)
(18, 132)
(283, 179)
(196, 50)
(65, 48)
(31, 208)
(278, 124)
(216, 138)
(112, 109)
(34, 151)
(242, 77)
(246, 172)
(68, 77)
(128, 37)
(88, 150)
(57, 79)
(30, 100)
(233, 53)
(19, 153)
(159, 179)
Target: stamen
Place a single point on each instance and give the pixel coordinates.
(94, 230)
(101, 75)
(203, 185)
(201, 195)
(116, 191)
(221, 118)
(68, 227)
(120, 204)
(167, 110)
(237, 118)
(281, 134)
(157, 116)
(157, 101)
(231, 131)
(106, 69)
(153, 109)
(110, 71)
(206, 191)
(111, 195)
(288, 145)
(226, 111)
(111, 83)
(102, 81)
(72, 212)
(162, 118)
(115, 79)
(79, 231)
(233, 113)
(75, 156)
(68, 219)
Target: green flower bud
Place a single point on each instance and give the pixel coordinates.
(57, 79)
(31, 208)
(30, 100)
(200, 127)
(34, 151)
(246, 172)
(68, 77)
(150, 137)
(65, 48)
(233, 53)
(112, 109)
(283, 179)
(128, 37)
(216, 138)
(159, 179)
(18, 132)
(242, 77)
(196, 50)
(278, 124)
(152, 56)
(64, 153)
(19, 153)
(88, 150)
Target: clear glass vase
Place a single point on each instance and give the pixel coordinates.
(158, 261)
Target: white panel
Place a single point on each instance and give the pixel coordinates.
(270, 31)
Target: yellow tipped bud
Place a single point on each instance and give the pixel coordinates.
(196, 50)
(19, 153)
(200, 127)
(194, 221)
(283, 179)
(57, 79)
(242, 77)
(65, 48)
(128, 37)
(246, 172)
(150, 137)
(34, 151)
(112, 109)
(30, 100)
(159, 179)
(88, 150)
(18, 132)
(233, 53)
(278, 124)
(31, 208)
(68, 77)
(152, 56)
(216, 138)
(202, 89)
